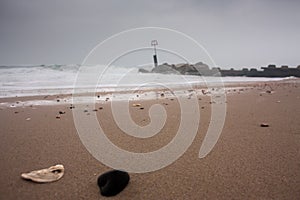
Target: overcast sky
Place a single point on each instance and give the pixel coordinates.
(236, 33)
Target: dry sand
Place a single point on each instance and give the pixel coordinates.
(248, 162)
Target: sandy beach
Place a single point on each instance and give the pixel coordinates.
(248, 161)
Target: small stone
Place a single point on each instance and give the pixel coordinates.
(113, 182)
(136, 105)
(57, 100)
(85, 111)
(95, 110)
(27, 119)
(264, 125)
(141, 108)
(100, 108)
(57, 117)
(61, 112)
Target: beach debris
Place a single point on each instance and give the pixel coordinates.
(27, 119)
(136, 105)
(264, 125)
(61, 112)
(113, 182)
(50, 174)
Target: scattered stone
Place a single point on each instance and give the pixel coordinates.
(269, 91)
(202, 107)
(264, 125)
(162, 95)
(57, 117)
(113, 182)
(106, 99)
(98, 96)
(141, 108)
(100, 108)
(57, 100)
(61, 112)
(136, 105)
(172, 99)
(95, 110)
(16, 112)
(85, 111)
(277, 101)
(50, 174)
(27, 119)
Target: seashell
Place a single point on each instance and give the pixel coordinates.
(50, 174)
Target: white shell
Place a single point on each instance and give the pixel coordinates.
(50, 174)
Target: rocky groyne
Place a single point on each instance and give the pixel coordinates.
(203, 69)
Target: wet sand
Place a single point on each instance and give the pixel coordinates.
(248, 161)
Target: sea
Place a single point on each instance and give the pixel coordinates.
(32, 80)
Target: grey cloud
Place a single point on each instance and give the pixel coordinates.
(236, 33)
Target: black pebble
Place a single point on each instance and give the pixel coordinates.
(113, 182)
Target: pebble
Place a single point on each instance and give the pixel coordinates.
(264, 125)
(113, 182)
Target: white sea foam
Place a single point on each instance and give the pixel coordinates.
(60, 79)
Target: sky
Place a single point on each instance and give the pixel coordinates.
(235, 33)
